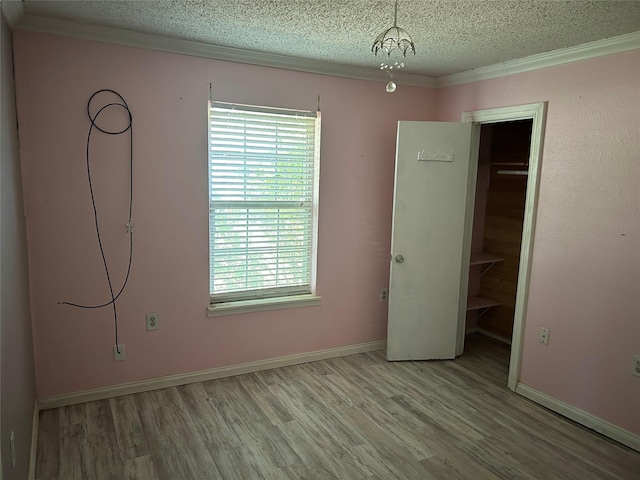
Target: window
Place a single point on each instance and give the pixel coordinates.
(263, 192)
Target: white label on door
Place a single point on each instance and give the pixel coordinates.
(435, 156)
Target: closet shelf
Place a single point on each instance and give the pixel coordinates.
(486, 259)
(478, 303)
(509, 164)
(483, 258)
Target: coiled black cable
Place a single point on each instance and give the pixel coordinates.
(129, 227)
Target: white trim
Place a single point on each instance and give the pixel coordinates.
(204, 375)
(537, 113)
(472, 173)
(599, 48)
(247, 306)
(121, 36)
(489, 334)
(132, 38)
(12, 10)
(34, 442)
(614, 432)
(486, 333)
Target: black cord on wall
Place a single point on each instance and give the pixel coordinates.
(129, 226)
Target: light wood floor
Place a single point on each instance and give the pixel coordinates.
(356, 417)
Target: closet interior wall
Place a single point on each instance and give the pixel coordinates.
(498, 220)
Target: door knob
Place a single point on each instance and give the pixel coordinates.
(399, 258)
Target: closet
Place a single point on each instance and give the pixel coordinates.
(497, 227)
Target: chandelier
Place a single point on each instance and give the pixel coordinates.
(394, 38)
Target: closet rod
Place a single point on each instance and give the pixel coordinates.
(513, 172)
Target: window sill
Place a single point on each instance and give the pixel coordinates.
(247, 306)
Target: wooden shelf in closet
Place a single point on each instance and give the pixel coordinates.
(488, 260)
(509, 164)
(478, 303)
(483, 258)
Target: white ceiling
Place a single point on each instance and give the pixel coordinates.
(450, 35)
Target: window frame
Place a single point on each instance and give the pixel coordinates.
(275, 297)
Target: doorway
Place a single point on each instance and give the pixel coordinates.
(501, 184)
(524, 121)
(435, 183)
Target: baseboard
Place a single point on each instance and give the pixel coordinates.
(34, 442)
(203, 375)
(607, 429)
(489, 334)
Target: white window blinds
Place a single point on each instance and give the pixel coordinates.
(263, 166)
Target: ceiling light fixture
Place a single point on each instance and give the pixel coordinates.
(394, 38)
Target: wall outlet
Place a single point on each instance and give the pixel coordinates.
(543, 336)
(384, 295)
(152, 321)
(636, 366)
(12, 447)
(118, 352)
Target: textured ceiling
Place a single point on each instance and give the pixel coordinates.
(450, 35)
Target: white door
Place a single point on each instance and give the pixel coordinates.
(436, 164)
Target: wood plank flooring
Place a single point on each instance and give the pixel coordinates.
(356, 417)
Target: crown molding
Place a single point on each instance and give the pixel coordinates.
(132, 38)
(12, 10)
(608, 46)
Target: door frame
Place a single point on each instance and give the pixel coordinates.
(536, 112)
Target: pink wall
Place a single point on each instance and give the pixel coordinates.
(585, 283)
(167, 94)
(585, 277)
